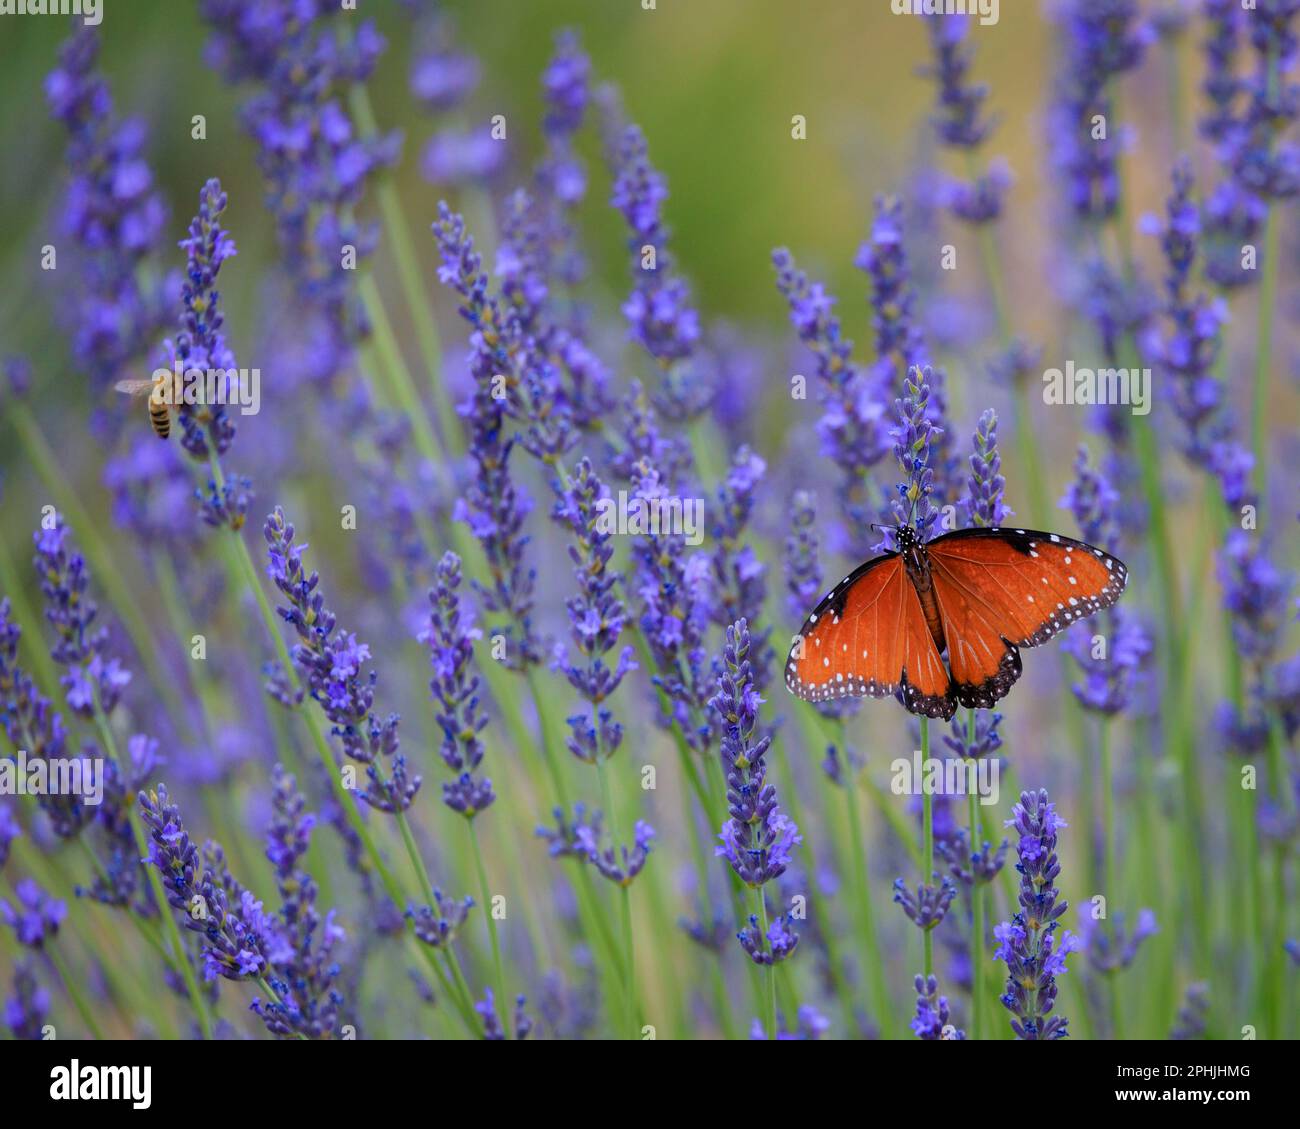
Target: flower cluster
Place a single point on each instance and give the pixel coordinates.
(31, 723)
(913, 440)
(490, 504)
(330, 661)
(450, 637)
(675, 596)
(759, 838)
(299, 61)
(303, 973)
(1028, 943)
(115, 215)
(596, 614)
(932, 1017)
(984, 502)
(852, 429)
(230, 922)
(582, 838)
(34, 916)
(659, 313)
(95, 677)
(739, 589)
(1102, 39)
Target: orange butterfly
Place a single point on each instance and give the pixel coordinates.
(977, 594)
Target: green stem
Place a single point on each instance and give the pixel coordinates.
(769, 973)
(1107, 812)
(872, 965)
(629, 967)
(415, 297)
(73, 988)
(485, 891)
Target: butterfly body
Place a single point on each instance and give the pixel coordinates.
(941, 623)
(916, 562)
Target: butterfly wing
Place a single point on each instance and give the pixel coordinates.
(1002, 589)
(868, 636)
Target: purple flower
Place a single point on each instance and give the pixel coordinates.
(675, 594)
(1255, 592)
(1028, 943)
(330, 661)
(31, 723)
(437, 925)
(779, 943)
(986, 487)
(1234, 218)
(1196, 1006)
(1100, 39)
(490, 504)
(739, 589)
(441, 77)
(1110, 946)
(809, 1024)
(230, 923)
(582, 838)
(928, 906)
(299, 59)
(852, 430)
(978, 201)
(95, 677)
(304, 973)
(957, 120)
(803, 571)
(759, 839)
(35, 916)
(899, 346)
(9, 831)
(462, 156)
(450, 637)
(1263, 162)
(114, 214)
(913, 440)
(659, 312)
(492, 1030)
(932, 1018)
(27, 1010)
(1221, 84)
(596, 614)
(1190, 348)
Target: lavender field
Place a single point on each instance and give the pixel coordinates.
(438, 446)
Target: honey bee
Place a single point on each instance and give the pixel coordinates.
(160, 409)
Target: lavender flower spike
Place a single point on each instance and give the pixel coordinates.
(759, 838)
(984, 504)
(932, 1019)
(330, 662)
(450, 638)
(1028, 942)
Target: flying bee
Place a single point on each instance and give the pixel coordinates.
(158, 390)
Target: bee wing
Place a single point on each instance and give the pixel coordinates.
(135, 387)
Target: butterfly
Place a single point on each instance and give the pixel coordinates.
(977, 594)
